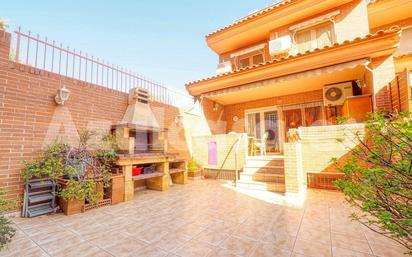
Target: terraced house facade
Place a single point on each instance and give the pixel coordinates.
(287, 72)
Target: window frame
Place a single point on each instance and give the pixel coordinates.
(313, 34)
(250, 57)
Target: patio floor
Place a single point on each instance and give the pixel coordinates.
(204, 218)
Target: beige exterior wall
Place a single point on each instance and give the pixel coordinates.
(315, 150)
(294, 175)
(224, 143)
(320, 145)
(352, 21)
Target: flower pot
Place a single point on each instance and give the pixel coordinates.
(194, 174)
(70, 207)
(116, 190)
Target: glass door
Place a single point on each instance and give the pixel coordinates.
(263, 128)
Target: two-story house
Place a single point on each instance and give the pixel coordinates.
(298, 63)
(297, 66)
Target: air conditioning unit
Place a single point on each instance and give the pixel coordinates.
(336, 94)
(224, 67)
(280, 45)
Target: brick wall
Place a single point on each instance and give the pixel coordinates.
(29, 117)
(383, 75)
(400, 92)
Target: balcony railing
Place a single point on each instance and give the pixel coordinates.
(42, 53)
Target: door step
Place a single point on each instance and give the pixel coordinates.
(263, 186)
(275, 170)
(272, 178)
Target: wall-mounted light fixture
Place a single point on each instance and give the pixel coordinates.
(62, 95)
(216, 107)
(179, 119)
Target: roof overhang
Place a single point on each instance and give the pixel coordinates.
(291, 84)
(384, 12)
(255, 27)
(403, 62)
(380, 44)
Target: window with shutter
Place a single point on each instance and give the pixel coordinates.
(243, 63)
(315, 37)
(250, 59)
(304, 41)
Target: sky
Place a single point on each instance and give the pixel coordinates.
(163, 40)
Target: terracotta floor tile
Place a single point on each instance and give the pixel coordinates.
(342, 252)
(343, 241)
(387, 250)
(220, 252)
(152, 234)
(249, 231)
(125, 248)
(54, 247)
(279, 239)
(314, 235)
(105, 240)
(194, 248)
(240, 246)
(20, 245)
(84, 249)
(270, 250)
(150, 251)
(202, 219)
(311, 248)
(171, 242)
(211, 237)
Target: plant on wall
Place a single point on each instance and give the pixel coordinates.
(378, 177)
(83, 166)
(3, 23)
(6, 229)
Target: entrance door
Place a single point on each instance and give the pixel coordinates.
(264, 124)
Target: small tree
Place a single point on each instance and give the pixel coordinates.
(6, 229)
(378, 177)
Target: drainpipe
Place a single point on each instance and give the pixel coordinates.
(373, 86)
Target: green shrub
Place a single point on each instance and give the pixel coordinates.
(378, 177)
(82, 165)
(6, 228)
(193, 166)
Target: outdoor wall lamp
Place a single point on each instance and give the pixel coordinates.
(179, 119)
(62, 95)
(216, 107)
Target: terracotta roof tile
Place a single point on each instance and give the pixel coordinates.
(253, 15)
(346, 42)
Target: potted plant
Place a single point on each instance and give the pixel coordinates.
(87, 173)
(82, 171)
(194, 170)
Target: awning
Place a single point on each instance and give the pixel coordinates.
(295, 76)
(248, 50)
(315, 20)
